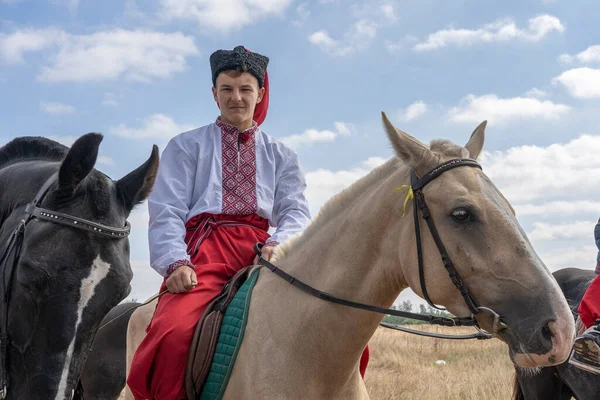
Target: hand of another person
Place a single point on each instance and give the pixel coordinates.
(183, 279)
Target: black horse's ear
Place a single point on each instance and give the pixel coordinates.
(135, 187)
(79, 162)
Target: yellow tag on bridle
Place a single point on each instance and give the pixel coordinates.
(409, 195)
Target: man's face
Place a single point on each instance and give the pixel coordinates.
(237, 95)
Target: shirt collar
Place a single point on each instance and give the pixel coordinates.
(246, 134)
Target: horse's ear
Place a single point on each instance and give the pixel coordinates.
(475, 144)
(408, 149)
(135, 187)
(79, 162)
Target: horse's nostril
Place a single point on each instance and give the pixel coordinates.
(547, 332)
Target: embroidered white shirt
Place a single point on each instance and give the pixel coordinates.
(215, 169)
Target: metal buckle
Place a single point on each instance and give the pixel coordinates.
(497, 324)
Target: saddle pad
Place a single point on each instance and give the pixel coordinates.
(230, 339)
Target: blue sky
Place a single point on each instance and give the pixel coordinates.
(139, 73)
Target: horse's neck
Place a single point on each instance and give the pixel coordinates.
(352, 253)
(19, 183)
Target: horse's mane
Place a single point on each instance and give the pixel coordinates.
(31, 148)
(440, 147)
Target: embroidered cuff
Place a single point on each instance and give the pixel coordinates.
(272, 243)
(177, 264)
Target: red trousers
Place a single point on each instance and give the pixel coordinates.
(589, 308)
(219, 248)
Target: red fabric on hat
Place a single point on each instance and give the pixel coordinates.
(260, 112)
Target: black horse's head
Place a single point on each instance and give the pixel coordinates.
(66, 279)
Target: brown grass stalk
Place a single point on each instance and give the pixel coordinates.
(402, 366)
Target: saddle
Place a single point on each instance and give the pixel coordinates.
(206, 335)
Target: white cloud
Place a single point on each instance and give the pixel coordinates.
(139, 55)
(106, 160)
(359, 37)
(13, 46)
(559, 208)
(388, 10)
(583, 83)
(323, 40)
(159, 126)
(405, 43)
(414, 111)
(559, 172)
(221, 15)
(54, 108)
(312, 136)
(302, 11)
(110, 100)
(565, 231)
(588, 56)
(535, 92)
(135, 55)
(322, 184)
(499, 31)
(576, 256)
(71, 5)
(489, 107)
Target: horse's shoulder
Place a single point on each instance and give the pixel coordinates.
(32, 147)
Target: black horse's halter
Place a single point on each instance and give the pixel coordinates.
(419, 200)
(10, 259)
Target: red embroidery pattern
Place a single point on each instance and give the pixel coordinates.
(179, 263)
(239, 170)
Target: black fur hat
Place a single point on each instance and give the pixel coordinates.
(239, 59)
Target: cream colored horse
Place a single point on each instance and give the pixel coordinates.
(361, 248)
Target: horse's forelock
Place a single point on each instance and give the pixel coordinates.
(98, 194)
(447, 148)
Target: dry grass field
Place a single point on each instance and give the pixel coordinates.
(402, 366)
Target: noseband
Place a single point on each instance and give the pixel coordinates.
(419, 205)
(10, 259)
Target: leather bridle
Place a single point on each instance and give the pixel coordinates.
(419, 206)
(10, 259)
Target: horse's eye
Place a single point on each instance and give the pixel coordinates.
(461, 214)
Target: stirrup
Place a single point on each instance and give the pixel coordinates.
(577, 361)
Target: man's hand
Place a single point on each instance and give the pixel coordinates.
(183, 279)
(267, 253)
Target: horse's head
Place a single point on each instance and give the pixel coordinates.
(488, 248)
(66, 279)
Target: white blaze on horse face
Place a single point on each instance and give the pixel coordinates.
(98, 272)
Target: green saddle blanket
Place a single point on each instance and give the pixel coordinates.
(229, 341)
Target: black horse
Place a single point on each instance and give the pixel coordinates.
(564, 381)
(66, 278)
(103, 375)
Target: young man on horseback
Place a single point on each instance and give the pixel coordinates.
(586, 350)
(218, 189)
